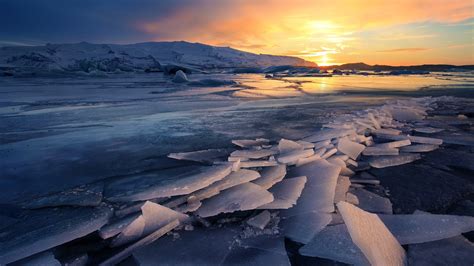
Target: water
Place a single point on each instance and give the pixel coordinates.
(61, 132)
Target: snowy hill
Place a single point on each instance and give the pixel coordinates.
(87, 57)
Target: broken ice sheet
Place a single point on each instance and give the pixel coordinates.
(85, 195)
(286, 193)
(260, 220)
(343, 184)
(294, 156)
(153, 217)
(334, 243)
(253, 154)
(419, 148)
(350, 148)
(378, 151)
(285, 146)
(270, 176)
(46, 228)
(114, 228)
(262, 250)
(203, 156)
(202, 246)
(328, 134)
(420, 228)
(387, 131)
(427, 130)
(166, 183)
(393, 160)
(394, 144)
(247, 143)
(451, 251)
(303, 227)
(44, 258)
(372, 202)
(373, 238)
(258, 163)
(243, 197)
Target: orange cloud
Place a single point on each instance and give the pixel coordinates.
(415, 49)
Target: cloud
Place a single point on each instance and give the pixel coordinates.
(414, 49)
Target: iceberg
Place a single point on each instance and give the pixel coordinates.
(166, 183)
(393, 160)
(373, 238)
(243, 197)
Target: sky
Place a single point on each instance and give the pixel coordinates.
(394, 32)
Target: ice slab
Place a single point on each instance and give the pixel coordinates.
(305, 144)
(260, 220)
(286, 193)
(406, 114)
(378, 151)
(334, 243)
(243, 197)
(47, 228)
(44, 258)
(318, 193)
(328, 134)
(451, 251)
(202, 246)
(343, 184)
(373, 238)
(303, 227)
(387, 131)
(247, 143)
(329, 153)
(286, 146)
(394, 144)
(425, 140)
(321, 144)
(262, 250)
(294, 156)
(85, 195)
(306, 160)
(393, 160)
(166, 183)
(372, 202)
(115, 227)
(270, 176)
(258, 163)
(419, 148)
(350, 148)
(253, 154)
(420, 228)
(154, 216)
(148, 239)
(203, 156)
(427, 130)
(180, 77)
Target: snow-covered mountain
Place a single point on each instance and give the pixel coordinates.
(88, 57)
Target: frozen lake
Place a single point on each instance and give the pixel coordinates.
(57, 133)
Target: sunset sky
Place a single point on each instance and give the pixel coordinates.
(398, 32)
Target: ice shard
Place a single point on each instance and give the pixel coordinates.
(343, 184)
(166, 183)
(393, 160)
(427, 130)
(321, 144)
(270, 176)
(153, 217)
(387, 131)
(203, 156)
(47, 228)
(334, 243)
(258, 163)
(247, 143)
(379, 151)
(116, 227)
(394, 144)
(303, 227)
(420, 228)
(85, 195)
(419, 148)
(328, 134)
(253, 154)
(243, 197)
(286, 146)
(260, 220)
(372, 202)
(350, 148)
(373, 238)
(286, 193)
(305, 144)
(294, 156)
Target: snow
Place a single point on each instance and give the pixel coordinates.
(373, 238)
